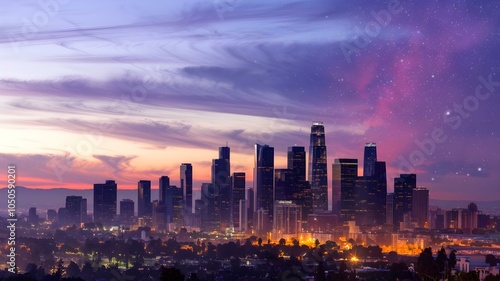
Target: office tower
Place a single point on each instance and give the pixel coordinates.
(403, 192)
(389, 215)
(105, 202)
(243, 218)
(370, 158)
(473, 216)
(164, 184)
(127, 210)
(344, 175)
(159, 214)
(209, 222)
(187, 186)
(74, 207)
(63, 216)
(287, 218)
(301, 189)
(283, 185)
(364, 200)
(238, 194)
(32, 216)
(144, 198)
(84, 210)
(263, 184)
(250, 204)
(420, 207)
(174, 206)
(221, 181)
(51, 215)
(199, 208)
(318, 168)
(380, 193)
(224, 153)
(296, 158)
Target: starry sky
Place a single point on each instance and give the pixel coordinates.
(129, 90)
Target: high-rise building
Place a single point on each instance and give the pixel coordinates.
(225, 153)
(159, 214)
(263, 184)
(74, 206)
(243, 221)
(283, 184)
(250, 205)
(105, 202)
(344, 175)
(127, 210)
(144, 198)
(380, 193)
(238, 194)
(364, 198)
(300, 191)
(187, 186)
(370, 158)
(32, 216)
(318, 177)
(389, 215)
(174, 207)
(287, 218)
(51, 215)
(403, 193)
(164, 184)
(221, 181)
(420, 207)
(209, 222)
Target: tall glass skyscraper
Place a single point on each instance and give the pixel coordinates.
(318, 177)
(344, 174)
(164, 184)
(186, 177)
(105, 202)
(403, 196)
(370, 158)
(221, 181)
(144, 198)
(264, 182)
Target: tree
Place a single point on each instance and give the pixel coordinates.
(426, 266)
(171, 274)
(491, 259)
(316, 243)
(259, 242)
(320, 272)
(282, 242)
(441, 259)
(73, 270)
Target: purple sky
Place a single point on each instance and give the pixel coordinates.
(126, 90)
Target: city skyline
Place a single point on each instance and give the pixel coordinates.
(129, 92)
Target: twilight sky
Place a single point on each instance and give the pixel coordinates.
(129, 90)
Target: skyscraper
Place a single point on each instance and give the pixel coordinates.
(318, 168)
(344, 174)
(420, 206)
(174, 206)
(283, 184)
(164, 184)
(370, 158)
(238, 194)
(300, 187)
(221, 181)
(74, 206)
(263, 184)
(287, 218)
(144, 198)
(380, 193)
(389, 215)
(187, 186)
(250, 198)
(105, 202)
(403, 193)
(209, 221)
(127, 210)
